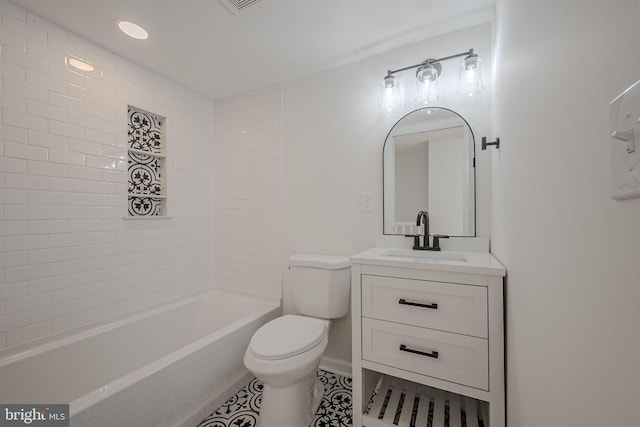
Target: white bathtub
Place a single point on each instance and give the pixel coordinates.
(170, 366)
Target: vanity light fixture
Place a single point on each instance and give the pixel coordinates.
(470, 81)
(133, 30)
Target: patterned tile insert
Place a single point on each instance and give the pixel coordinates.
(243, 408)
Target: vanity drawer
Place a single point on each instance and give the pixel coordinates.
(447, 307)
(451, 357)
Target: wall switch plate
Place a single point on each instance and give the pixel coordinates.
(624, 131)
(366, 202)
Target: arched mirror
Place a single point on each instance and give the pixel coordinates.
(428, 164)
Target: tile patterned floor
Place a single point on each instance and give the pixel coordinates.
(243, 408)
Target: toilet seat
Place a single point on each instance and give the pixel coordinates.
(287, 336)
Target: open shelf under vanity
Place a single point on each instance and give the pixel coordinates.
(403, 403)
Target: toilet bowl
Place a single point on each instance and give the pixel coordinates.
(285, 353)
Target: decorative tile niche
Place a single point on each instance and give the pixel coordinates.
(146, 147)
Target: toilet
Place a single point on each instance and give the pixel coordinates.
(285, 353)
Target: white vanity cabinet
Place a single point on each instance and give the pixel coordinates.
(427, 339)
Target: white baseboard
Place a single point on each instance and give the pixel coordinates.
(336, 366)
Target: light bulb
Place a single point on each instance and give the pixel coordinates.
(427, 84)
(390, 101)
(471, 76)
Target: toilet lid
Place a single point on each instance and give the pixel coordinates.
(287, 336)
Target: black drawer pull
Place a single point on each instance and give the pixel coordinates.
(433, 354)
(417, 304)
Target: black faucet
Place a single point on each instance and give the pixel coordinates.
(423, 218)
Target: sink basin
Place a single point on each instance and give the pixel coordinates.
(425, 255)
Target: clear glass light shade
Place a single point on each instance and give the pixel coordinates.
(427, 85)
(390, 101)
(471, 76)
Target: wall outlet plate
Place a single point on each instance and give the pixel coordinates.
(624, 140)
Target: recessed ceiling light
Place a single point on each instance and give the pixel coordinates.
(133, 30)
(80, 65)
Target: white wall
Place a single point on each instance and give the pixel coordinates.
(572, 253)
(67, 257)
(333, 136)
(248, 193)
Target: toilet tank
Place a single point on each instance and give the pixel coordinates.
(321, 285)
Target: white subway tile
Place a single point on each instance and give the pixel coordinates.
(24, 242)
(7, 164)
(8, 38)
(12, 102)
(24, 151)
(49, 226)
(68, 294)
(101, 162)
(84, 120)
(26, 212)
(68, 267)
(48, 284)
(67, 239)
(13, 259)
(67, 184)
(46, 110)
(30, 302)
(103, 212)
(28, 333)
(68, 322)
(3, 340)
(44, 139)
(41, 256)
(66, 129)
(11, 133)
(13, 196)
(85, 199)
(67, 212)
(84, 172)
(78, 225)
(86, 147)
(46, 81)
(82, 93)
(21, 58)
(26, 182)
(12, 322)
(85, 304)
(23, 120)
(66, 157)
(14, 290)
(29, 272)
(35, 48)
(102, 187)
(21, 88)
(86, 251)
(35, 167)
(21, 28)
(12, 228)
(67, 102)
(114, 152)
(37, 197)
(99, 237)
(67, 75)
(48, 313)
(13, 72)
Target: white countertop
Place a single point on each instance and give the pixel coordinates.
(453, 261)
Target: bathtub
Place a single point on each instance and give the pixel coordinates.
(169, 366)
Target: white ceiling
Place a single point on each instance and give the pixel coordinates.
(202, 46)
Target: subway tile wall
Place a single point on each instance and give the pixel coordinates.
(67, 256)
(248, 187)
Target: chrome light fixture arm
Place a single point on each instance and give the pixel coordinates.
(432, 61)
